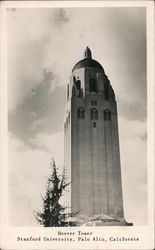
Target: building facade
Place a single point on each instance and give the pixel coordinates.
(92, 156)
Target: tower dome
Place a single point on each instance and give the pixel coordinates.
(88, 62)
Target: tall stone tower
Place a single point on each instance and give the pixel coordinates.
(92, 157)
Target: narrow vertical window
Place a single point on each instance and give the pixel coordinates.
(78, 84)
(94, 103)
(74, 79)
(94, 124)
(106, 87)
(69, 117)
(83, 114)
(80, 113)
(94, 114)
(107, 115)
(92, 85)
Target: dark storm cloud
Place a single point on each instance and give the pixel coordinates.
(40, 111)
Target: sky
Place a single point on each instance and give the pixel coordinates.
(43, 46)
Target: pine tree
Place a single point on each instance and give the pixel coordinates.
(53, 212)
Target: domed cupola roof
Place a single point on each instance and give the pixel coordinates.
(88, 62)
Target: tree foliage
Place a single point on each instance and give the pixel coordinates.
(53, 213)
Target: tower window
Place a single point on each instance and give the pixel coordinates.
(78, 84)
(74, 79)
(92, 85)
(94, 114)
(83, 114)
(107, 115)
(94, 103)
(69, 117)
(94, 124)
(80, 113)
(106, 86)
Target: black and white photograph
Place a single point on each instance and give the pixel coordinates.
(78, 122)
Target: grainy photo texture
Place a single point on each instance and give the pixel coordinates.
(77, 101)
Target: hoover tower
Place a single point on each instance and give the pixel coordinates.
(92, 156)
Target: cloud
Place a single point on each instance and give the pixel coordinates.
(41, 111)
(39, 39)
(132, 110)
(36, 43)
(32, 34)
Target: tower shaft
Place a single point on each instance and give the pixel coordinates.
(92, 157)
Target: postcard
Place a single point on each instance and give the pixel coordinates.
(77, 125)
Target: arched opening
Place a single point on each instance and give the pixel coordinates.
(80, 113)
(94, 114)
(106, 87)
(74, 79)
(107, 115)
(78, 84)
(92, 85)
(83, 114)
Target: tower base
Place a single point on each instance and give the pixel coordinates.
(103, 220)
